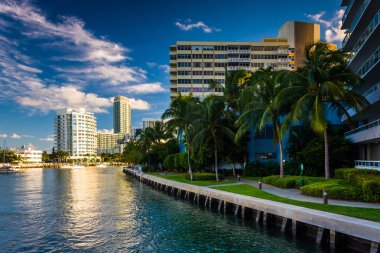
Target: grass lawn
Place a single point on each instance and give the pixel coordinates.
(357, 212)
(256, 179)
(182, 178)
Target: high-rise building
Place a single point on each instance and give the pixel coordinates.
(147, 122)
(298, 35)
(109, 142)
(121, 115)
(196, 64)
(75, 132)
(361, 21)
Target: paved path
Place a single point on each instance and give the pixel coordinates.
(296, 195)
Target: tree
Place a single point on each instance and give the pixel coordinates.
(324, 83)
(181, 117)
(211, 122)
(45, 156)
(261, 105)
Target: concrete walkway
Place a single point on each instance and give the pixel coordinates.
(295, 194)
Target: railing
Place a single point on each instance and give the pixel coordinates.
(364, 127)
(363, 7)
(284, 59)
(238, 68)
(283, 51)
(242, 51)
(367, 164)
(366, 34)
(239, 60)
(372, 61)
(371, 90)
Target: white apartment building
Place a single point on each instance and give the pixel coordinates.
(110, 142)
(75, 132)
(29, 154)
(122, 123)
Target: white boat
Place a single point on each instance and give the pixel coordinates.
(9, 170)
(101, 165)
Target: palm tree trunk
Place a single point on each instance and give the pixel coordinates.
(327, 159)
(188, 157)
(216, 159)
(233, 169)
(281, 151)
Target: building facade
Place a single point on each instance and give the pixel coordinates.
(147, 122)
(361, 21)
(122, 115)
(29, 154)
(75, 132)
(196, 64)
(109, 142)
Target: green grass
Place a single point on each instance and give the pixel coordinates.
(357, 212)
(182, 178)
(256, 179)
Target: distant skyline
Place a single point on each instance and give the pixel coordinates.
(75, 53)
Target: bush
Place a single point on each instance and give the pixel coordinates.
(290, 181)
(258, 169)
(337, 189)
(176, 161)
(371, 190)
(203, 177)
(345, 172)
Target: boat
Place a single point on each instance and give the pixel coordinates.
(9, 170)
(101, 165)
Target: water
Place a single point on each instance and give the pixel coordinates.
(100, 210)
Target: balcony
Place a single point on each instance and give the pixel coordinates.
(238, 68)
(283, 51)
(347, 10)
(239, 51)
(367, 164)
(370, 63)
(365, 133)
(284, 59)
(366, 34)
(239, 60)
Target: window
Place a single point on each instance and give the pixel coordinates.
(263, 156)
(220, 56)
(196, 48)
(184, 56)
(197, 65)
(265, 56)
(220, 48)
(184, 73)
(173, 57)
(183, 47)
(197, 56)
(219, 73)
(208, 64)
(208, 73)
(208, 48)
(220, 64)
(184, 64)
(197, 73)
(197, 81)
(184, 81)
(208, 56)
(258, 65)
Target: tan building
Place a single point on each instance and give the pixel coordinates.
(109, 141)
(298, 35)
(122, 115)
(194, 64)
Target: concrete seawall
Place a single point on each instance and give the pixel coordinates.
(333, 230)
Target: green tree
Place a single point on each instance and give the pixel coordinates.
(323, 84)
(261, 105)
(181, 117)
(45, 156)
(211, 122)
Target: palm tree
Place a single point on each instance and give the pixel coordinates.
(211, 123)
(213, 85)
(180, 115)
(235, 83)
(262, 106)
(324, 82)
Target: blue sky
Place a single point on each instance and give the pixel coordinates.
(82, 53)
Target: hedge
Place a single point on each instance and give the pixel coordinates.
(336, 189)
(290, 181)
(176, 161)
(203, 177)
(366, 180)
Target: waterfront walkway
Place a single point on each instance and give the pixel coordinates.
(295, 194)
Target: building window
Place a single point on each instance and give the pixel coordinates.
(220, 56)
(184, 56)
(184, 81)
(220, 64)
(183, 47)
(184, 64)
(197, 73)
(208, 64)
(197, 65)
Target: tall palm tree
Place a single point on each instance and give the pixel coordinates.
(235, 83)
(211, 123)
(262, 106)
(181, 117)
(324, 82)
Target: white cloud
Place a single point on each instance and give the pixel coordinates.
(333, 26)
(15, 136)
(188, 26)
(139, 104)
(144, 88)
(29, 69)
(151, 64)
(165, 67)
(27, 136)
(3, 136)
(105, 131)
(49, 138)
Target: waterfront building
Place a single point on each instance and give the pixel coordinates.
(121, 115)
(196, 64)
(29, 154)
(109, 142)
(361, 21)
(75, 132)
(148, 122)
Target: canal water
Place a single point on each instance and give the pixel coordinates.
(101, 210)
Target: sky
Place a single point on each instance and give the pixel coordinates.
(82, 53)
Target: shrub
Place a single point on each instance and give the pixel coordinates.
(203, 177)
(176, 161)
(290, 181)
(371, 190)
(345, 172)
(258, 169)
(336, 189)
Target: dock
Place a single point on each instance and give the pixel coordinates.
(328, 229)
